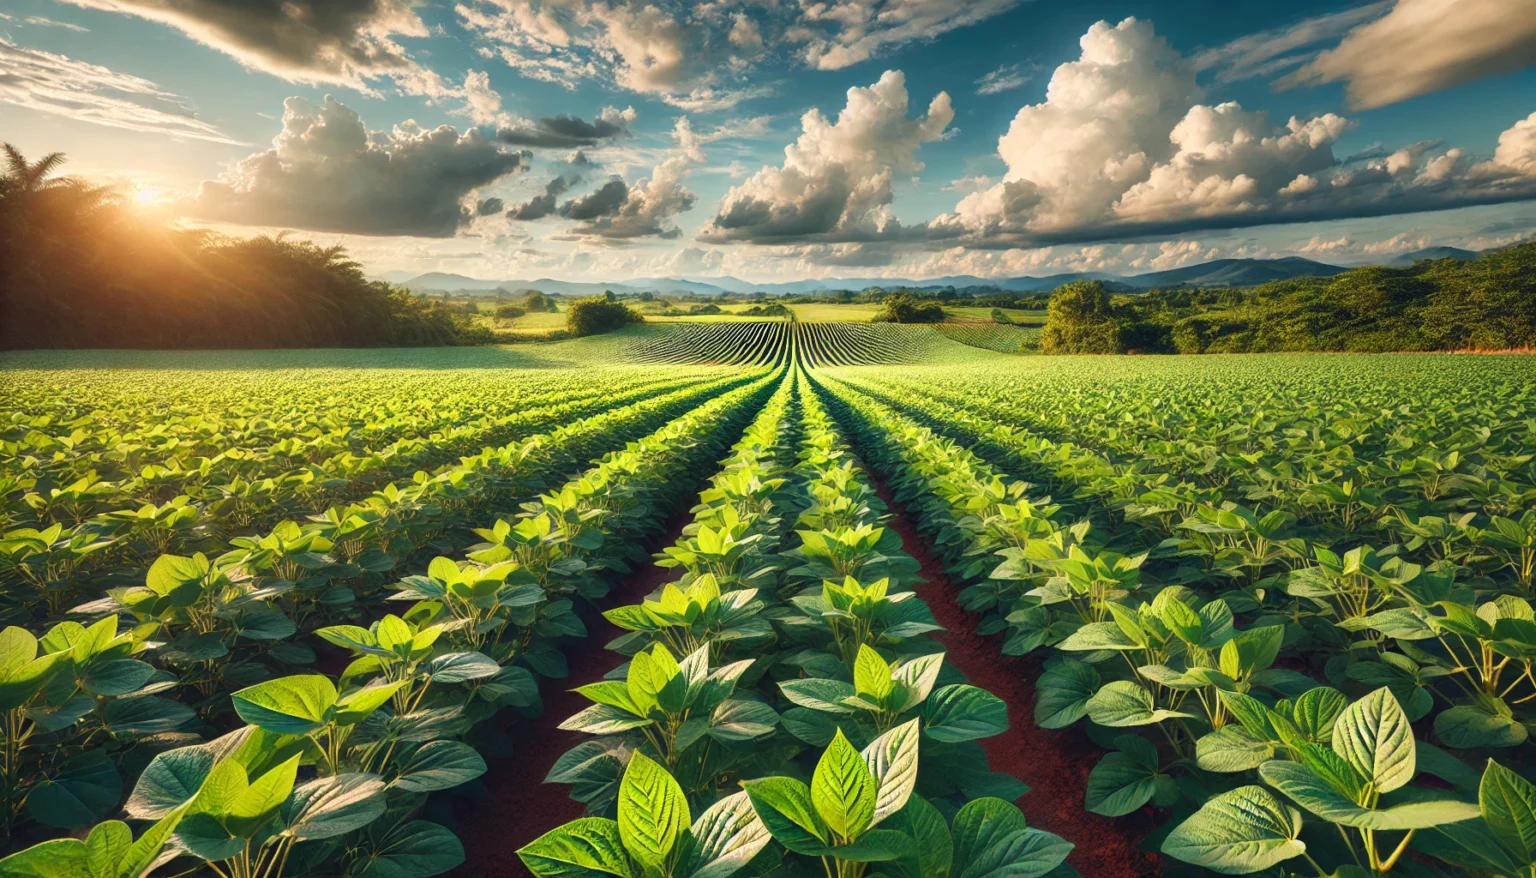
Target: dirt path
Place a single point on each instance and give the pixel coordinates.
(518, 806)
(1055, 764)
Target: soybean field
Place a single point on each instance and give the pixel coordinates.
(767, 599)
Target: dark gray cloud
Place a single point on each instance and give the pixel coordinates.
(488, 206)
(541, 206)
(605, 201)
(564, 132)
(579, 159)
(327, 173)
(340, 41)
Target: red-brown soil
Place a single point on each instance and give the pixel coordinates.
(1055, 764)
(518, 806)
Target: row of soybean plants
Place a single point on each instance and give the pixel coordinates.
(1193, 684)
(83, 530)
(247, 770)
(783, 711)
(1287, 562)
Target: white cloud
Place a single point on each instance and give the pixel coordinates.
(835, 183)
(1268, 52)
(1123, 146)
(1424, 46)
(1005, 78)
(327, 172)
(342, 42)
(40, 21)
(701, 57)
(645, 209)
(841, 33)
(62, 86)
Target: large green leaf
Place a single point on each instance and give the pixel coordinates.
(1062, 694)
(86, 790)
(171, 780)
(1237, 832)
(440, 765)
(1312, 792)
(724, 838)
(1508, 803)
(784, 805)
(583, 845)
(964, 713)
(332, 806)
(292, 705)
(1232, 748)
(1374, 736)
(1120, 784)
(418, 849)
(892, 759)
(653, 811)
(1123, 703)
(932, 851)
(1485, 723)
(843, 789)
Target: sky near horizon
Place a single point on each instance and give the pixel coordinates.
(787, 139)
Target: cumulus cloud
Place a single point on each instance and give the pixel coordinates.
(568, 131)
(836, 180)
(1123, 146)
(345, 42)
(541, 206)
(1005, 78)
(63, 86)
(327, 172)
(1424, 46)
(620, 212)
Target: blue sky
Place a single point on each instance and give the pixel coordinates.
(990, 137)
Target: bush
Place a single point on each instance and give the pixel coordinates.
(1001, 316)
(907, 308)
(510, 312)
(1080, 320)
(773, 310)
(536, 302)
(598, 314)
(704, 309)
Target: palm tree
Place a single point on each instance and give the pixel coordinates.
(29, 177)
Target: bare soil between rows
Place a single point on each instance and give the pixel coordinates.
(518, 806)
(1055, 764)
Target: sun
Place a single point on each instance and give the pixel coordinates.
(147, 197)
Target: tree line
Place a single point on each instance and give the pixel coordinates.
(81, 268)
(1487, 303)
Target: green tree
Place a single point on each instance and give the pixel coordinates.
(907, 308)
(1081, 320)
(599, 314)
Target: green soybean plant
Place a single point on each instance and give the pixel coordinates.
(1349, 768)
(655, 835)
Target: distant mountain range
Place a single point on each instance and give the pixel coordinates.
(1221, 272)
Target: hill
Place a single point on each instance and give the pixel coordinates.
(1222, 272)
(1408, 259)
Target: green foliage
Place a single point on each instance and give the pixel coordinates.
(1080, 320)
(80, 268)
(1448, 304)
(907, 308)
(598, 314)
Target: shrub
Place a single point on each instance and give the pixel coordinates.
(1080, 320)
(907, 308)
(598, 314)
(510, 312)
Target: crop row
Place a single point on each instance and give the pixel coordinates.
(791, 659)
(47, 568)
(329, 773)
(1181, 640)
